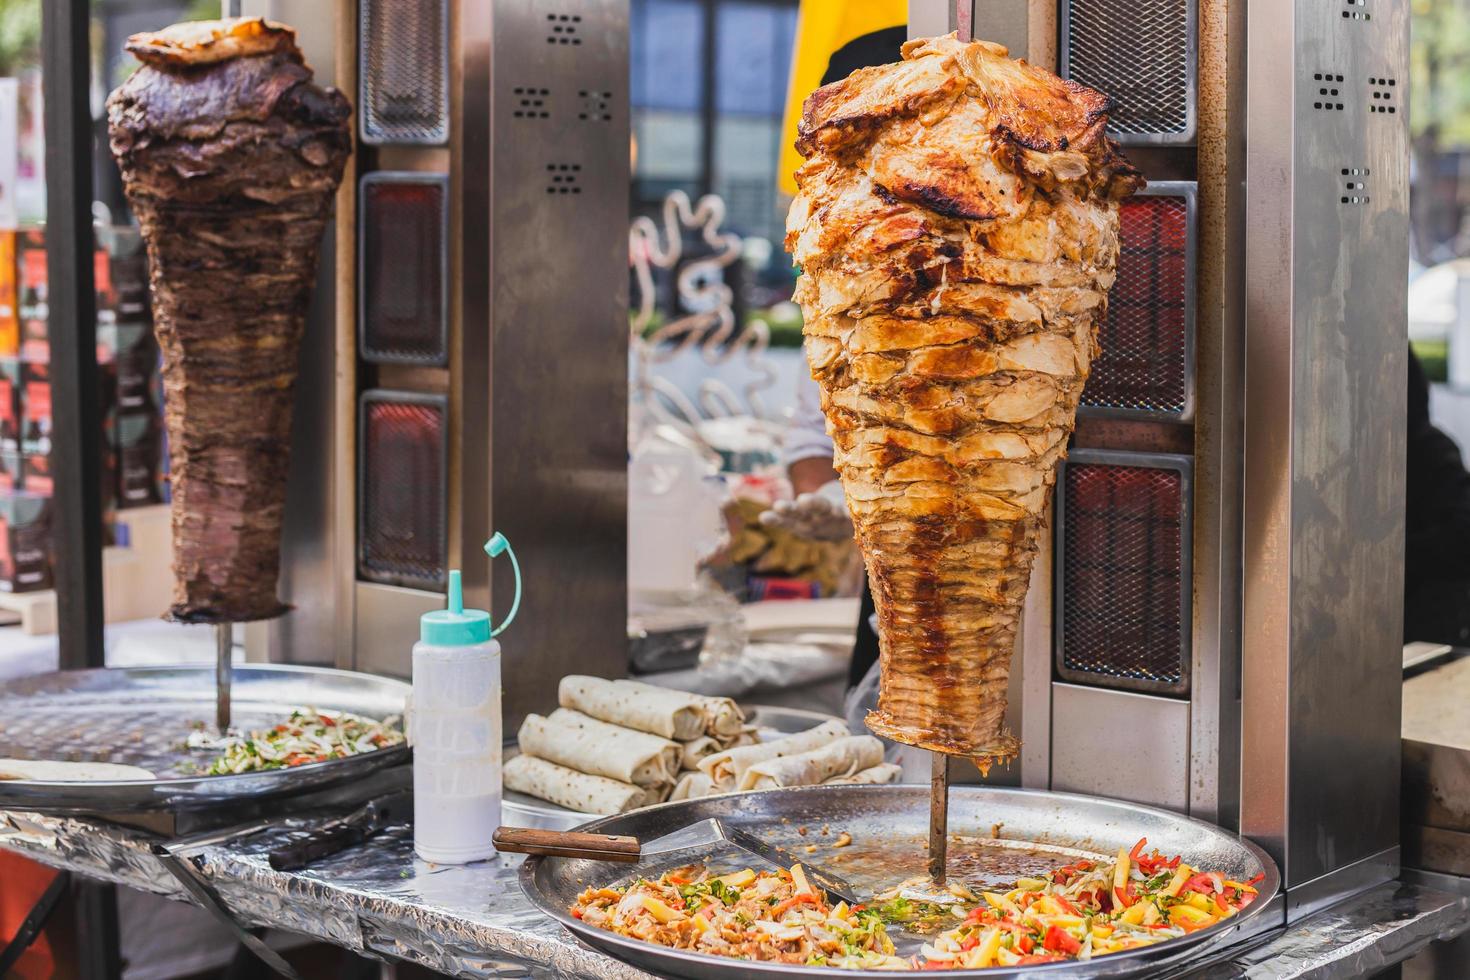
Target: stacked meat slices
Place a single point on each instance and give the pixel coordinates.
(957, 228)
(230, 157)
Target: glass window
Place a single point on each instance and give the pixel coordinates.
(753, 57)
(665, 53)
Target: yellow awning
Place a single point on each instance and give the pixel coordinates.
(822, 28)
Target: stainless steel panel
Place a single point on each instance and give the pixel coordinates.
(1215, 696)
(1143, 371)
(1142, 54)
(1150, 736)
(1002, 21)
(1137, 558)
(556, 423)
(1327, 205)
(403, 71)
(387, 623)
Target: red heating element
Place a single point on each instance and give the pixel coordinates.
(1143, 365)
(402, 529)
(1123, 577)
(403, 242)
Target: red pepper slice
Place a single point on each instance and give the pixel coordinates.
(1039, 958)
(970, 943)
(1124, 898)
(1204, 883)
(1137, 849)
(938, 965)
(1061, 941)
(1062, 901)
(1257, 879)
(1025, 944)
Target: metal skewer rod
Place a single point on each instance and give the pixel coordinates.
(938, 817)
(224, 648)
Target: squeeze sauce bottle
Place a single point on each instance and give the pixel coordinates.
(457, 726)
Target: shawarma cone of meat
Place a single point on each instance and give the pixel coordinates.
(957, 230)
(230, 158)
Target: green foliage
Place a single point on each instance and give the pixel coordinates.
(20, 35)
(1439, 72)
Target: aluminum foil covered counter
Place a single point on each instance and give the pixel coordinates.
(473, 921)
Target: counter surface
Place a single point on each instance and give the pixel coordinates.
(473, 921)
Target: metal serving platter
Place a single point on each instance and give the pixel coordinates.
(141, 716)
(996, 836)
(520, 810)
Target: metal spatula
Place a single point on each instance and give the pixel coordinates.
(706, 835)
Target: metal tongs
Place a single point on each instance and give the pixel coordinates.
(703, 835)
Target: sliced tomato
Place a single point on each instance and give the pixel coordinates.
(1204, 883)
(938, 965)
(1060, 940)
(1062, 901)
(576, 913)
(1038, 958)
(1025, 943)
(970, 943)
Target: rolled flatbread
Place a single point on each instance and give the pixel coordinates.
(840, 758)
(656, 710)
(572, 739)
(887, 772)
(722, 717)
(573, 790)
(696, 749)
(692, 785)
(725, 769)
(45, 771)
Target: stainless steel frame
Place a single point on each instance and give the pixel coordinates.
(1324, 444)
(403, 177)
(1185, 136)
(1185, 189)
(1107, 457)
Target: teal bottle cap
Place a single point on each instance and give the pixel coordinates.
(455, 626)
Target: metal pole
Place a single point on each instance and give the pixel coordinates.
(938, 817)
(71, 295)
(224, 647)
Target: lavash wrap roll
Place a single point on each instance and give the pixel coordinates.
(576, 741)
(691, 786)
(840, 758)
(656, 710)
(45, 770)
(701, 748)
(575, 790)
(887, 772)
(725, 769)
(722, 716)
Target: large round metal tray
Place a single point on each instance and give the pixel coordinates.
(997, 835)
(521, 810)
(141, 716)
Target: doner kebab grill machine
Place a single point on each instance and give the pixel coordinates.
(1214, 620)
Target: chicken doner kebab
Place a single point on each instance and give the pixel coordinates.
(230, 158)
(957, 230)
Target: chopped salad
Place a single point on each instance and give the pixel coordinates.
(1076, 912)
(309, 735)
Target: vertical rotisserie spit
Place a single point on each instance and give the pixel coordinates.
(230, 158)
(957, 230)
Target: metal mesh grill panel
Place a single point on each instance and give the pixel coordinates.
(403, 92)
(403, 258)
(402, 521)
(1139, 54)
(1123, 572)
(1143, 363)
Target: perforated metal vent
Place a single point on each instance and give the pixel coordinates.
(402, 527)
(1146, 365)
(403, 260)
(1123, 571)
(1142, 53)
(403, 71)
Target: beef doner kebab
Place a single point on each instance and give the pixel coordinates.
(957, 230)
(230, 157)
